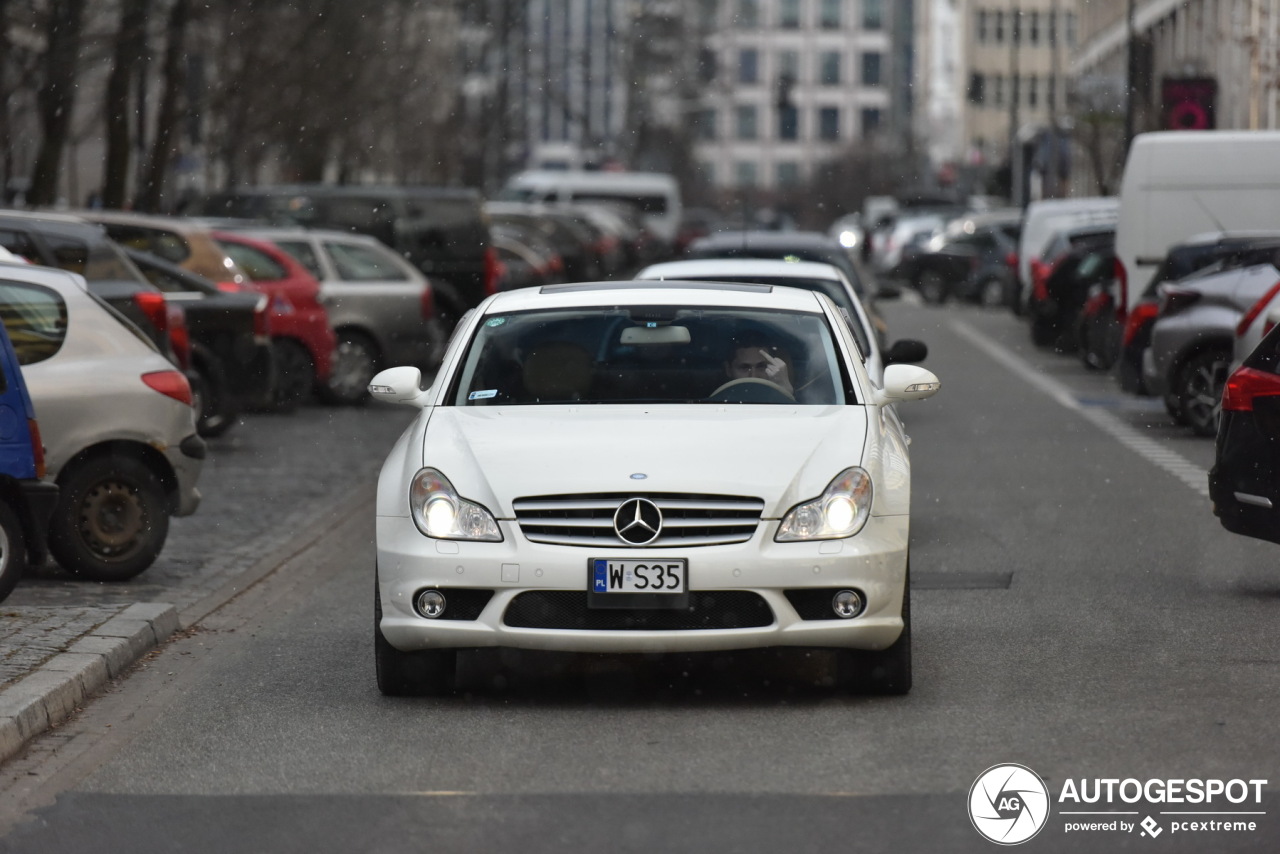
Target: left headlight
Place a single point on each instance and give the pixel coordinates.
(839, 512)
(439, 511)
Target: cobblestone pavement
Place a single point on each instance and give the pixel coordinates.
(267, 478)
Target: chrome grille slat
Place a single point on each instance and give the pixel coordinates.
(688, 520)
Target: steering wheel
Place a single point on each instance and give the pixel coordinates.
(752, 390)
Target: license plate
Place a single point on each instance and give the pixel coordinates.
(626, 583)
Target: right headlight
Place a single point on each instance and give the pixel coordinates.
(440, 513)
(839, 512)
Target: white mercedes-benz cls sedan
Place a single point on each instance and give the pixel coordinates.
(647, 467)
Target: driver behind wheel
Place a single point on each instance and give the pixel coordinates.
(754, 357)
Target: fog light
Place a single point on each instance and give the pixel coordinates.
(431, 604)
(847, 604)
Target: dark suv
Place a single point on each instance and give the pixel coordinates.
(442, 231)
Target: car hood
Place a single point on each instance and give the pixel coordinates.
(781, 454)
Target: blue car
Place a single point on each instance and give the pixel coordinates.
(26, 499)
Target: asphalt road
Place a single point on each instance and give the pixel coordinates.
(1077, 610)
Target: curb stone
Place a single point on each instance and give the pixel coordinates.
(48, 696)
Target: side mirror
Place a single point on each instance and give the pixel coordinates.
(906, 352)
(399, 385)
(907, 382)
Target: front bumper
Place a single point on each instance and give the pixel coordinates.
(873, 562)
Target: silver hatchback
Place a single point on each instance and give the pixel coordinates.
(116, 420)
(1193, 338)
(381, 306)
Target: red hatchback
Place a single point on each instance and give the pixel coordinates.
(300, 331)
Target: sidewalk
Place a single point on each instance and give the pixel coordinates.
(271, 487)
(55, 657)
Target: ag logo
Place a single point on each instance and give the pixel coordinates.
(1008, 804)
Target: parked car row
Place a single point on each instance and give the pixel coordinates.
(1175, 286)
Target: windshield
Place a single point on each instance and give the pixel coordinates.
(833, 289)
(651, 354)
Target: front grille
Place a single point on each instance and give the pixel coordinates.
(687, 520)
(567, 609)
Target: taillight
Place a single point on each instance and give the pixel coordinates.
(492, 270)
(1174, 300)
(230, 287)
(1142, 313)
(1011, 260)
(153, 305)
(428, 302)
(262, 317)
(179, 335)
(37, 447)
(170, 384)
(1122, 277)
(1039, 273)
(1245, 385)
(1252, 314)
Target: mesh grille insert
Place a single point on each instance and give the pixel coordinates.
(567, 609)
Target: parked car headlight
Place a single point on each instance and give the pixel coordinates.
(439, 511)
(839, 512)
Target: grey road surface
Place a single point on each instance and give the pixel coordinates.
(1077, 610)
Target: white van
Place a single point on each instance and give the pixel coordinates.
(1180, 183)
(1046, 217)
(657, 195)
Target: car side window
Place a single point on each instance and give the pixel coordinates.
(21, 244)
(305, 254)
(256, 264)
(35, 318)
(356, 263)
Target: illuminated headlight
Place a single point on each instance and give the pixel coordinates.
(839, 512)
(439, 511)
(848, 239)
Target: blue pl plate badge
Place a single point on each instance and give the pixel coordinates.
(600, 582)
(483, 395)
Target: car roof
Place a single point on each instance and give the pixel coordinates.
(653, 292)
(709, 268)
(768, 239)
(1244, 236)
(37, 275)
(57, 223)
(287, 233)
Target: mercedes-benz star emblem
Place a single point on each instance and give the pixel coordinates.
(638, 521)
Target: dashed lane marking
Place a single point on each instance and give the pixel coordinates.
(1152, 451)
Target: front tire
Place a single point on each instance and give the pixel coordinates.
(13, 550)
(932, 287)
(422, 673)
(111, 519)
(356, 361)
(1200, 390)
(886, 671)
(295, 374)
(215, 413)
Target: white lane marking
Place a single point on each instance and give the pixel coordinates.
(1153, 452)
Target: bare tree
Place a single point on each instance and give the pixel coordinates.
(171, 106)
(130, 48)
(56, 98)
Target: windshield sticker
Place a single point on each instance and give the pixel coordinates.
(483, 395)
(496, 321)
